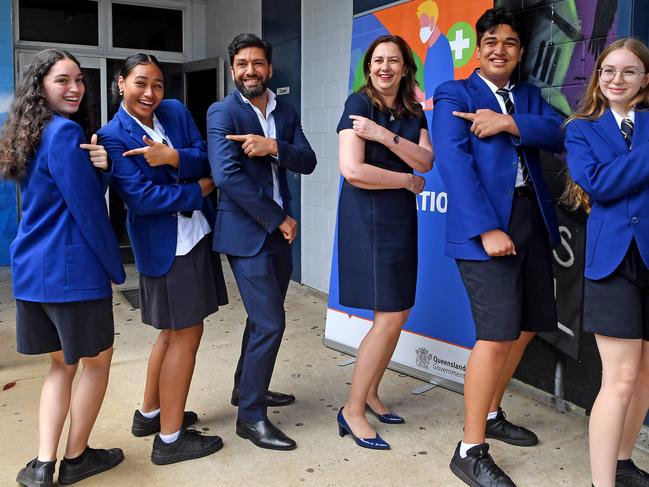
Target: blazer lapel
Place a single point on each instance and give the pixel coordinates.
(481, 93)
(521, 99)
(172, 130)
(279, 122)
(607, 128)
(134, 130)
(251, 116)
(641, 128)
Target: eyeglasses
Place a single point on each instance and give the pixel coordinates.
(607, 73)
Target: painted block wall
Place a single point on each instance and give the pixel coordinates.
(326, 41)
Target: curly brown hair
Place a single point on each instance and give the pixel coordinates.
(29, 114)
(406, 102)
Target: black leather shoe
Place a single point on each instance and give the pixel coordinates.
(478, 469)
(190, 444)
(265, 434)
(37, 474)
(501, 429)
(148, 426)
(273, 399)
(628, 474)
(91, 462)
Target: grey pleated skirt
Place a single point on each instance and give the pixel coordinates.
(193, 289)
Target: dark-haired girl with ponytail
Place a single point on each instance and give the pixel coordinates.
(161, 171)
(63, 260)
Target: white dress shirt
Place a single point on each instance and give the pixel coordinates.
(267, 123)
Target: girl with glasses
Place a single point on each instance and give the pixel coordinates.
(607, 142)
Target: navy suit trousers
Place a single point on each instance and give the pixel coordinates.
(262, 281)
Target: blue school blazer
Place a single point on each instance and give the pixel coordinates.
(246, 212)
(617, 181)
(480, 174)
(155, 195)
(65, 249)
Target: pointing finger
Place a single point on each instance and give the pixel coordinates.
(236, 138)
(135, 152)
(465, 116)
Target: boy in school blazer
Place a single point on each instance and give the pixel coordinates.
(500, 222)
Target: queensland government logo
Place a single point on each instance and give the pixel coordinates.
(423, 357)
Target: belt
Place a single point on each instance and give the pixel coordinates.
(524, 192)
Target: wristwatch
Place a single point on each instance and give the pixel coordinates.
(395, 139)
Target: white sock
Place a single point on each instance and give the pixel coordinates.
(151, 414)
(492, 415)
(169, 438)
(464, 447)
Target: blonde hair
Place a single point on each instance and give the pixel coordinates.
(594, 104)
(428, 7)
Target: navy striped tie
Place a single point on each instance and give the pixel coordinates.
(627, 131)
(509, 107)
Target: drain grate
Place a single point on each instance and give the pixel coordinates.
(132, 296)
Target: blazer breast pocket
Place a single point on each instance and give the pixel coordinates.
(82, 269)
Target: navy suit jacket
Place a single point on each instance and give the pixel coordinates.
(246, 212)
(480, 174)
(65, 249)
(154, 195)
(617, 181)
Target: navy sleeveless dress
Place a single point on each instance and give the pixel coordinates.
(377, 229)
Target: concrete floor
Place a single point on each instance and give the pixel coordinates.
(421, 448)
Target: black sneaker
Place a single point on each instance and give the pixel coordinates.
(629, 475)
(189, 445)
(501, 429)
(478, 469)
(91, 462)
(36, 474)
(148, 426)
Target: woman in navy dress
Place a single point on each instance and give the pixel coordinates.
(63, 260)
(607, 148)
(383, 138)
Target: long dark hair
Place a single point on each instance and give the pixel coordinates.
(30, 113)
(406, 101)
(129, 64)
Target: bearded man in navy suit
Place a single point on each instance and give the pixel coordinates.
(253, 139)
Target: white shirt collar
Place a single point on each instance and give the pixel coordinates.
(492, 86)
(156, 133)
(619, 118)
(270, 105)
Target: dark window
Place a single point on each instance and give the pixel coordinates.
(63, 21)
(361, 6)
(147, 28)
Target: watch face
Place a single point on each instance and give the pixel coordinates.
(395, 139)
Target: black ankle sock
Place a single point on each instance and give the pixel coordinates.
(40, 464)
(76, 460)
(624, 463)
